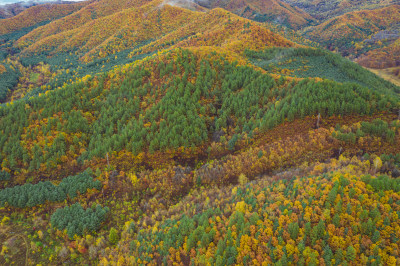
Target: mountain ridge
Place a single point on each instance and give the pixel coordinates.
(37, 14)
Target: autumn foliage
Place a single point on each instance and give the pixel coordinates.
(139, 132)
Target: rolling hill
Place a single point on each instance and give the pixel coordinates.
(174, 133)
(38, 14)
(384, 57)
(274, 11)
(137, 27)
(10, 10)
(350, 32)
(328, 9)
(130, 34)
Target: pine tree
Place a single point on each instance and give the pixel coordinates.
(351, 253)
(293, 229)
(339, 256)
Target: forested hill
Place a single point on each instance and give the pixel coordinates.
(352, 31)
(274, 11)
(37, 14)
(327, 9)
(141, 132)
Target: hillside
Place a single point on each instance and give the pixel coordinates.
(128, 29)
(10, 10)
(125, 37)
(132, 116)
(384, 57)
(328, 9)
(351, 33)
(315, 63)
(274, 11)
(137, 132)
(38, 14)
(333, 217)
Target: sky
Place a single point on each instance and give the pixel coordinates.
(4, 2)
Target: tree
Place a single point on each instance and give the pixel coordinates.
(283, 261)
(232, 142)
(376, 236)
(4, 176)
(242, 179)
(293, 229)
(113, 236)
(339, 256)
(351, 253)
(377, 163)
(328, 255)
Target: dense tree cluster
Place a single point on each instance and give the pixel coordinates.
(381, 128)
(78, 221)
(108, 113)
(4, 176)
(37, 14)
(29, 195)
(386, 56)
(347, 32)
(382, 183)
(331, 218)
(377, 128)
(8, 79)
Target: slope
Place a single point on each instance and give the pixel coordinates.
(272, 10)
(168, 106)
(10, 10)
(346, 33)
(93, 11)
(328, 9)
(129, 35)
(316, 63)
(155, 111)
(384, 57)
(336, 216)
(37, 14)
(140, 26)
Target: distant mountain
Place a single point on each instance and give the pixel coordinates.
(326, 9)
(383, 57)
(38, 13)
(150, 26)
(357, 32)
(13, 9)
(10, 10)
(263, 10)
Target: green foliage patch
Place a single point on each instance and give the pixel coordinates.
(8, 80)
(78, 221)
(195, 99)
(4, 176)
(311, 62)
(382, 183)
(377, 128)
(29, 195)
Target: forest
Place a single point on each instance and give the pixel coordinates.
(145, 133)
(130, 117)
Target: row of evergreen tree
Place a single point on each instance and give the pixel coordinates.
(30, 195)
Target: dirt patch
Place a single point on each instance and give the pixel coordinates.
(387, 74)
(14, 246)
